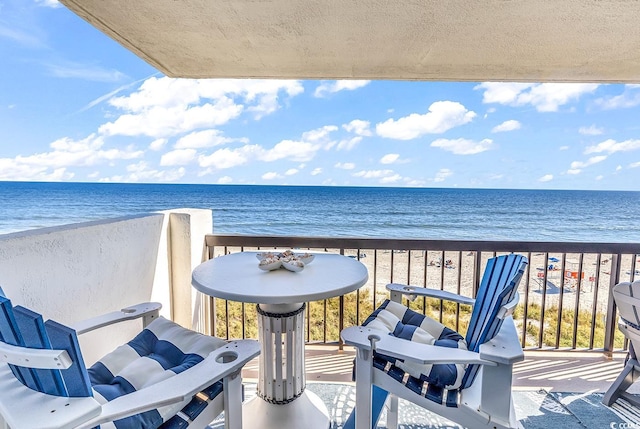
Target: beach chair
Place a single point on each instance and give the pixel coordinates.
(627, 298)
(166, 377)
(402, 353)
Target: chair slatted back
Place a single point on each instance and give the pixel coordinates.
(627, 297)
(31, 327)
(10, 334)
(20, 326)
(498, 287)
(76, 378)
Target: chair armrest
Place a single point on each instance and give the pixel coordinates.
(414, 291)
(147, 309)
(181, 386)
(361, 337)
(505, 347)
(34, 358)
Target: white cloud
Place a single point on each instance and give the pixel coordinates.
(463, 146)
(316, 171)
(163, 107)
(348, 144)
(578, 166)
(633, 165)
(600, 177)
(442, 174)
(319, 134)
(506, 126)
(271, 175)
(157, 144)
(142, 172)
(582, 164)
(331, 87)
(441, 117)
(489, 111)
(619, 167)
(178, 157)
(391, 179)
(292, 150)
(64, 153)
(23, 172)
(202, 139)
(359, 127)
(49, 3)
(501, 92)
(224, 180)
(374, 174)
(228, 158)
(345, 165)
(291, 172)
(546, 178)
(162, 122)
(264, 95)
(629, 98)
(413, 182)
(382, 176)
(545, 97)
(612, 146)
(563, 148)
(591, 130)
(390, 158)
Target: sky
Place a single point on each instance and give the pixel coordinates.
(76, 106)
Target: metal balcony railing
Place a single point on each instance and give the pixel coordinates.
(565, 303)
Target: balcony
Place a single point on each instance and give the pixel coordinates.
(566, 319)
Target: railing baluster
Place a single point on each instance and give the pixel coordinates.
(525, 316)
(610, 322)
(576, 310)
(563, 267)
(442, 263)
(594, 306)
(544, 299)
(458, 291)
(375, 278)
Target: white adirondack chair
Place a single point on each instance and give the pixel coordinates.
(167, 376)
(627, 297)
(418, 359)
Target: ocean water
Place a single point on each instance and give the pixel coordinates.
(455, 214)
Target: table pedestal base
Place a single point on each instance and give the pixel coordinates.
(307, 412)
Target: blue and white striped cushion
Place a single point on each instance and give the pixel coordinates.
(162, 350)
(404, 323)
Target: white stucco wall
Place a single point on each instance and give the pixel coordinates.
(183, 232)
(77, 271)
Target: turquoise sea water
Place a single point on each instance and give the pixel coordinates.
(475, 214)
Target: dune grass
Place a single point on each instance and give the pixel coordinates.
(323, 320)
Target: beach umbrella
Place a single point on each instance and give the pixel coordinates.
(553, 259)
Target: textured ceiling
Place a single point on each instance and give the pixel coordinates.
(481, 40)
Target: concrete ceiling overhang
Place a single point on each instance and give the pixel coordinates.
(461, 40)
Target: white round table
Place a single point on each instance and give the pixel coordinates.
(282, 401)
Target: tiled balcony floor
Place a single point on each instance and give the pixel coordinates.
(551, 389)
